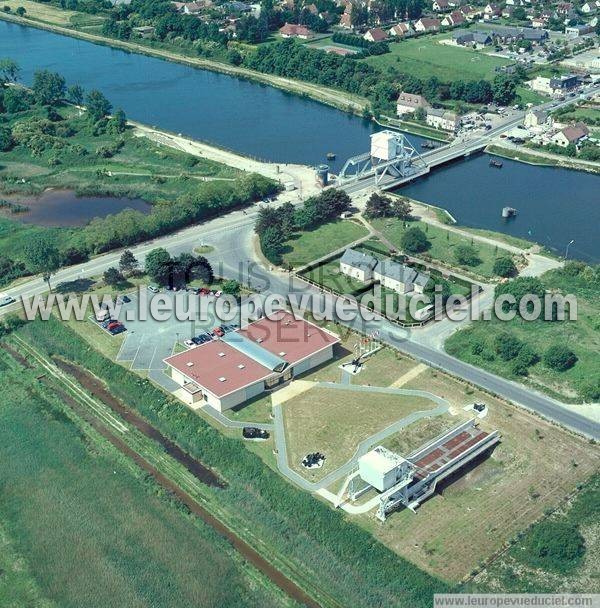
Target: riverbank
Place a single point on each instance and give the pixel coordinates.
(332, 97)
(541, 158)
(415, 128)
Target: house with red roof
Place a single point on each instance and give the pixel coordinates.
(292, 30)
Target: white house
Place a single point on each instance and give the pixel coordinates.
(400, 278)
(402, 30)
(442, 119)
(358, 265)
(537, 118)
(573, 134)
(407, 103)
(427, 24)
(375, 35)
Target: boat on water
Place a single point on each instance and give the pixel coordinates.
(330, 155)
(429, 145)
(496, 163)
(509, 212)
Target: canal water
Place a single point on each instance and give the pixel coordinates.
(555, 206)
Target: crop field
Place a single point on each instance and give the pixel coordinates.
(425, 57)
(535, 466)
(42, 12)
(335, 421)
(91, 529)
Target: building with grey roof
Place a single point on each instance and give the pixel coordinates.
(358, 265)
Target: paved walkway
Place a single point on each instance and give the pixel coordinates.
(409, 375)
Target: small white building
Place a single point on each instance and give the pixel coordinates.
(400, 278)
(442, 119)
(537, 118)
(407, 103)
(382, 468)
(358, 265)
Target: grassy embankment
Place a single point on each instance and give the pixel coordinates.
(84, 526)
(302, 537)
(581, 336)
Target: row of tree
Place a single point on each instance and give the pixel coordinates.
(275, 226)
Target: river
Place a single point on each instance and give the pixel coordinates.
(555, 205)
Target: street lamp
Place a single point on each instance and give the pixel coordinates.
(567, 249)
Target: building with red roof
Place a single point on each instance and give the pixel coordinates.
(242, 364)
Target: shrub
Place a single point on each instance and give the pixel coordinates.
(507, 345)
(414, 240)
(554, 545)
(466, 255)
(559, 357)
(505, 267)
(524, 360)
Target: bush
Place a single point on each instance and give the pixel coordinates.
(590, 391)
(559, 357)
(507, 345)
(524, 360)
(554, 545)
(466, 255)
(414, 240)
(505, 267)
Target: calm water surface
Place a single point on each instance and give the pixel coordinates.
(554, 205)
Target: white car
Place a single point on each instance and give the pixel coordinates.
(218, 294)
(6, 300)
(190, 343)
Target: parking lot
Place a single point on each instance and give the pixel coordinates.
(148, 341)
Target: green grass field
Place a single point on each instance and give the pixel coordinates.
(425, 56)
(443, 243)
(304, 247)
(582, 336)
(91, 529)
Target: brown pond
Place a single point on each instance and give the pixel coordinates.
(65, 208)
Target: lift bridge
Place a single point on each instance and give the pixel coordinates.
(391, 161)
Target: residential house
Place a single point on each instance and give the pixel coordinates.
(491, 11)
(575, 31)
(540, 84)
(375, 35)
(573, 134)
(565, 10)
(439, 118)
(399, 277)
(427, 24)
(564, 83)
(358, 265)
(291, 30)
(537, 118)
(541, 20)
(402, 30)
(440, 5)
(453, 19)
(470, 12)
(589, 8)
(408, 102)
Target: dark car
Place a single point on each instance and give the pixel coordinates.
(251, 432)
(125, 299)
(117, 330)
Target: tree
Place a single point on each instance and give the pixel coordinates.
(75, 94)
(271, 242)
(128, 263)
(507, 345)
(420, 114)
(504, 267)
(234, 57)
(48, 87)
(9, 71)
(231, 288)
(118, 123)
(518, 288)
(159, 266)
(378, 206)
(17, 99)
(401, 209)
(112, 276)
(97, 105)
(524, 360)
(6, 140)
(414, 240)
(559, 357)
(504, 89)
(21, 11)
(466, 255)
(41, 256)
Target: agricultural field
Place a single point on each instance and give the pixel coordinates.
(306, 246)
(426, 56)
(582, 380)
(443, 243)
(89, 526)
(42, 12)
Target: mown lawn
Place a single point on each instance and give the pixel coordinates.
(425, 57)
(443, 243)
(304, 247)
(91, 529)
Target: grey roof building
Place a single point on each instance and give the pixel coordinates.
(357, 259)
(396, 272)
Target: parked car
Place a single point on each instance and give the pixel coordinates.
(218, 293)
(124, 299)
(190, 343)
(218, 331)
(251, 432)
(153, 288)
(6, 300)
(117, 330)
